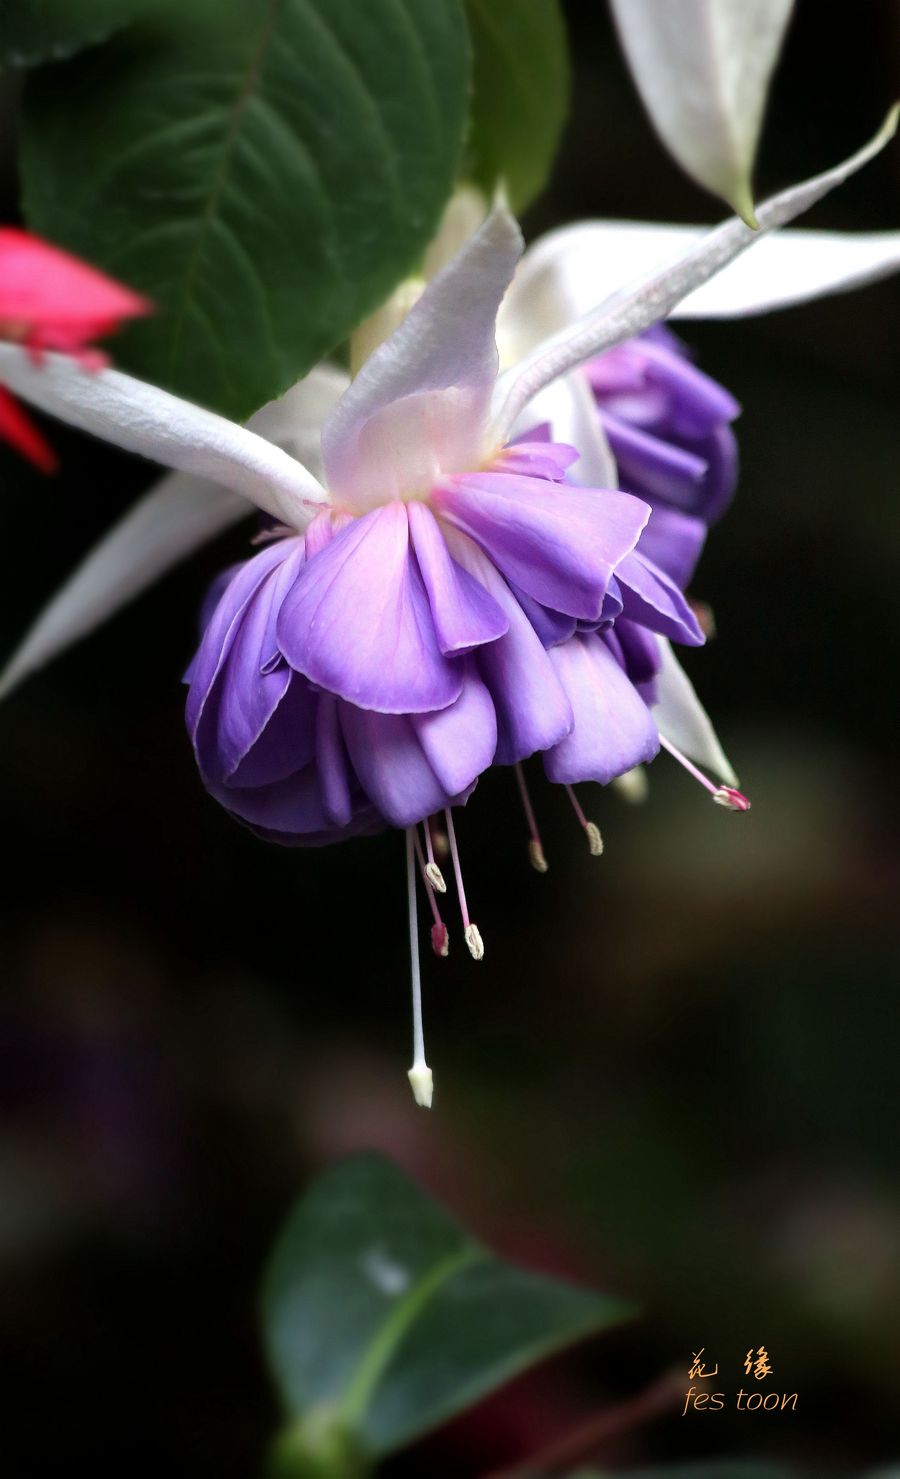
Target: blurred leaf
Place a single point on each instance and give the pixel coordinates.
(266, 178)
(521, 94)
(383, 1314)
(33, 31)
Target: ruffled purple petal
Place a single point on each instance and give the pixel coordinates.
(392, 766)
(459, 742)
(551, 626)
(652, 599)
(531, 707)
(720, 449)
(336, 781)
(559, 544)
(613, 729)
(288, 741)
(536, 458)
(464, 615)
(654, 467)
(673, 541)
(357, 622)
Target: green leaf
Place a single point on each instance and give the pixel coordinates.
(521, 94)
(381, 1313)
(33, 31)
(266, 177)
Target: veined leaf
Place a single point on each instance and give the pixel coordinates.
(266, 171)
(382, 1317)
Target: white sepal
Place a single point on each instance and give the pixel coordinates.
(175, 518)
(419, 404)
(631, 311)
(702, 68)
(682, 719)
(566, 273)
(162, 427)
(169, 523)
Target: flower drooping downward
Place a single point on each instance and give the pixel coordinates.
(454, 606)
(458, 574)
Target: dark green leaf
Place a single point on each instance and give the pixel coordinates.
(33, 31)
(266, 178)
(521, 93)
(382, 1312)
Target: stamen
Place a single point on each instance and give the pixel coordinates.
(725, 796)
(591, 830)
(731, 799)
(432, 871)
(420, 1079)
(471, 932)
(440, 938)
(535, 846)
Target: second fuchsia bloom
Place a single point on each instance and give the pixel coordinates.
(51, 301)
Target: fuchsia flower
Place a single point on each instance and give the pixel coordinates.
(449, 583)
(49, 300)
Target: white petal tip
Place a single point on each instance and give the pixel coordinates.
(421, 1082)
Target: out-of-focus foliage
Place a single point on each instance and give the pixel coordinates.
(521, 94)
(382, 1314)
(271, 173)
(33, 31)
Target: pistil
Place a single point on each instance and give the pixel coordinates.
(420, 1076)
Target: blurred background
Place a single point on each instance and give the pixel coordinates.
(675, 1074)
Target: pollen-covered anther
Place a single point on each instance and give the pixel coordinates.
(731, 799)
(421, 1082)
(474, 941)
(435, 877)
(594, 839)
(536, 856)
(440, 939)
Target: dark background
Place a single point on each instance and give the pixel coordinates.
(675, 1074)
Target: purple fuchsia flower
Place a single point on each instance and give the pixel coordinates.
(445, 587)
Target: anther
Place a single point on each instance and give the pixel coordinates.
(435, 877)
(731, 799)
(727, 796)
(535, 846)
(471, 932)
(595, 841)
(591, 830)
(440, 939)
(474, 941)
